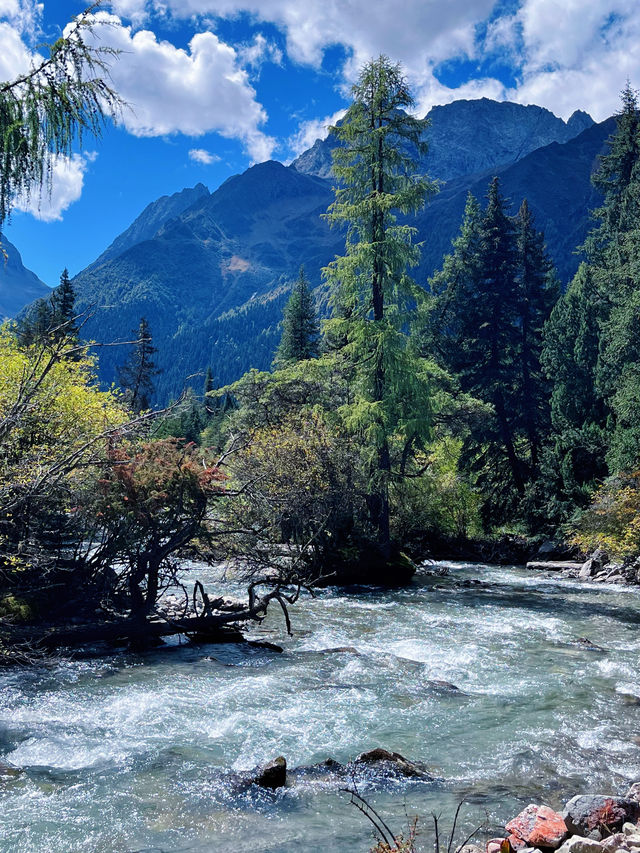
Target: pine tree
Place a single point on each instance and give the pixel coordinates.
(538, 291)
(372, 294)
(489, 304)
(300, 328)
(208, 381)
(63, 320)
(136, 376)
(598, 428)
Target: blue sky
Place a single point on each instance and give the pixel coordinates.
(216, 85)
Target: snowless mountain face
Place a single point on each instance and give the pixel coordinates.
(471, 136)
(210, 272)
(18, 285)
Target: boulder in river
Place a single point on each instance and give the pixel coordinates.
(10, 771)
(590, 812)
(273, 775)
(394, 764)
(538, 826)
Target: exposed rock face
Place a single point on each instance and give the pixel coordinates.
(273, 775)
(18, 285)
(537, 826)
(586, 813)
(469, 136)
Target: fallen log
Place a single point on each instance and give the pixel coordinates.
(554, 565)
(209, 626)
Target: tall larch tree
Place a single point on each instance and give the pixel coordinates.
(376, 166)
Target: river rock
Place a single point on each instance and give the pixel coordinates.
(586, 813)
(587, 569)
(576, 844)
(273, 775)
(393, 764)
(634, 791)
(614, 843)
(539, 826)
(494, 845)
(9, 770)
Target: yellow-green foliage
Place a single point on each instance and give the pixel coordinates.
(52, 417)
(442, 499)
(612, 521)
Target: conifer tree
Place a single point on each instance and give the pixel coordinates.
(538, 292)
(63, 301)
(300, 328)
(598, 428)
(489, 304)
(372, 293)
(208, 381)
(136, 376)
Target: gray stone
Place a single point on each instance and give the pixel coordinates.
(634, 792)
(576, 844)
(600, 557)
(554, 566)
(393, 764)
(273, 775)
(587, 569)
(587, 813)
(614, 843)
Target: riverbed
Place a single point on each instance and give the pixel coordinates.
(131, 752)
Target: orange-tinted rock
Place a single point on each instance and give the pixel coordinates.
(539, 826)
(495, 845)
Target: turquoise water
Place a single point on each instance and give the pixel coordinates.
(129, 753)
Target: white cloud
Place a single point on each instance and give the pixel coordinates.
(170, 90)
(201, 155)
(311, 130)
(67, 178)
(259, 51)
(24, 15)
(578, 55)
(565, 55)
(15, 58)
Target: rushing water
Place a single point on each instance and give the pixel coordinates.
(128, 753)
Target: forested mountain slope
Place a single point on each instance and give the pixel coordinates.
(212, 279)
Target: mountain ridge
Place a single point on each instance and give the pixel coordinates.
(212, 280)
(19, 286)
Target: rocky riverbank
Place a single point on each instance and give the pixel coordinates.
(589, 823)
(596, 568)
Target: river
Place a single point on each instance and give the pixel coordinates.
(128, 752)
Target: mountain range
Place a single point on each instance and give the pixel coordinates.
(211, 272)
(18, 285)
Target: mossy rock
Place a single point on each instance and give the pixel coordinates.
(16, 609)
